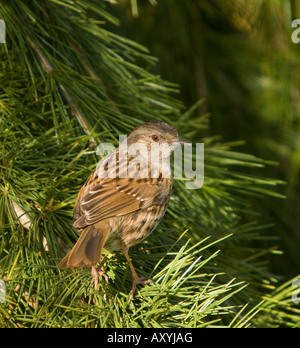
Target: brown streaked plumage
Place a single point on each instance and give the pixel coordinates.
(119, 212)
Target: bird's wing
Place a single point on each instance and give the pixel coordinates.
(101, 198)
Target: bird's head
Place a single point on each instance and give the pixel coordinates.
(155, 132)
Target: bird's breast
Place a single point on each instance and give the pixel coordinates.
(133, 228)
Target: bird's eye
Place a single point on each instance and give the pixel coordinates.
(155, 137)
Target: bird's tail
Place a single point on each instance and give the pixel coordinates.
(88, 248)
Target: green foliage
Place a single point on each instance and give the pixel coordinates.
(69, 82)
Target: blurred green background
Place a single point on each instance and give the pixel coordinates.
(239, 56)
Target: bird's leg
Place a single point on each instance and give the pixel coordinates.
(96, 272)
(136, 280)
(95, 276)
(100, 270)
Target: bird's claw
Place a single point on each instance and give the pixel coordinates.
(137, 281)
(95, 277)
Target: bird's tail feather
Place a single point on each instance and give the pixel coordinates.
(87, 250)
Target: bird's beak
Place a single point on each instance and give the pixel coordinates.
(184, 142)
(180, 142)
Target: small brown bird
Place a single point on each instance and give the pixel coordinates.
(121, 204)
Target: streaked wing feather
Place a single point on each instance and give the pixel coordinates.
(103, 198)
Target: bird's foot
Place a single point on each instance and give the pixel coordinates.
(139, 280)
(95, 275)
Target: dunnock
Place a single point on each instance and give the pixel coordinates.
(121, 204)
